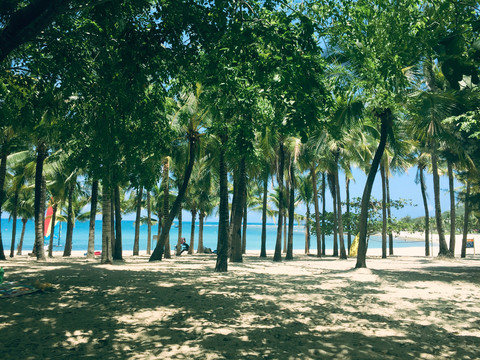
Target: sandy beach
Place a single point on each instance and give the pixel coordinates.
(403, 307)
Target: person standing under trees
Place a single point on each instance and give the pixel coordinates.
(183, 246)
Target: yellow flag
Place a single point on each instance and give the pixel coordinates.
(354, 247)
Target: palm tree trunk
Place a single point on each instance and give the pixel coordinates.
(343, 253)
(263, 251)
(106, 225)
(22, 236)
(192, 231)
(465, 221)
(3, 174)
(244, 229)
(384, 211)
(68, 240)
(201, 217)
(452, 208)
(438, 210)
(291, 212)
(423, 187)
(166, 207)
(112, 219)
(324, 211)
(91, 228)
(118, 248)
(222, 242)
(236, 234)
(278, 245)
(287, 207)
(180, 228)
(318, 229)
(136, 243)
(52, 231)
(349, 232)
(333, 191)
(39, 206)
(386, 124)
(307, 230)
(149, 224)
(14, 223)
(160, 248)
(389, 217)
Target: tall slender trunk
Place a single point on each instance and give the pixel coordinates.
(236, 235)
(201, 217)
(278, 244)
(106, 224)
(39, 205)
(389, 217)
(324, 211)
(263, 251)
(465, 221)
(333, 192)
(423, 187)
(438, 210)
(3, 174)
(166, 207)
(386, 125)
(91, 228)
(14, 223)
(52, 231)
(160, 248)
(136, 243)
(180, 228)
(287, 207)
(307, 230)
(222, 242)
(343, 253)
(384, 211)
(112, 219)
(22, 236)
(244, 228)
(149, 224)
(452, 208)
(347, 212)
(69, 239)
(291, 211)
(118, 248)
(192, 231)
(318, 229)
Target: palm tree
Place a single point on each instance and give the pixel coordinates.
(305, 193)
(25, 210)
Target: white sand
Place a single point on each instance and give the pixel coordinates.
(403, 307)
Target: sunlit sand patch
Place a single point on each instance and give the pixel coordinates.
(148, 317)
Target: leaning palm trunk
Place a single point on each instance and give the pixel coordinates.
(136, 243)
(52, 231)
(68, 240)
(386, 125)
(106, 225)
(291, 212)
(318, 230)
(160, 248)
(465, 221)
(236, 227)
(14, 223)
(222, 242)
(118, 248)
(452, 208)
(22, 236)
(39, 206)
(93, 213)
(3, 174)
(278, 245)
(347, 200)
(425, 206)
(438, 210)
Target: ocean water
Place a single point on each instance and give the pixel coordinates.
(210, 234)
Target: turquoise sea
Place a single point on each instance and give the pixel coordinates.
(80, 236)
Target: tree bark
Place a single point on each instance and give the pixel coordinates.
(201, 217)
(386, 125)
(244, 228)
(39, 207)
(52, 231)
(291, 211)
(192, 231)
(452, 208)
(347, 200)
(307, 230)
(384, 211)
(69, 239)
(118, 248)
(106, 224)
(278, 244)
(149, 224)
(423, 187)
(324, 211)
(160, 248)
(22, 236)
(166, 207)
(14, 222)
(389, 217)
(343, 253)
(236, 233)
(91, 228)
(318, 229)
(263, 251)
(438, 210)
(136, 243)
(222, 242)
(465, 221)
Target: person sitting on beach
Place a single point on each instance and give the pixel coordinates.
(183, 246)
